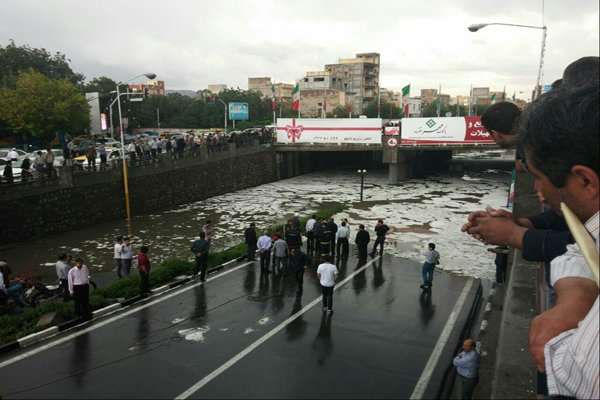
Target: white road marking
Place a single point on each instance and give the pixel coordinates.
(115, 318)
(423, 381)
(263, 339)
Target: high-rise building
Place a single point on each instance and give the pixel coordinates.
(154, 88)
(265, 86)
(357, 77)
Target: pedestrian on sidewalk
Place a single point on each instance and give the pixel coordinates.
(62, 272)
(432, 258)
(264, 248)
(117, 254)
(280, 251)
(342, 235)
(327, 274)
(200, 248)
(299, 262)
(144, 268)
(250, 239)
(126, 256)
(380, 229)
(362, 241)
(79, 289)
(467, 364)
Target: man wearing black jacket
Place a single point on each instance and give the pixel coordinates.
(362, 240)
(250, 239)
(380, 229)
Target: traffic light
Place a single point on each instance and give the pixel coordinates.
(145, 93)
(210, 100)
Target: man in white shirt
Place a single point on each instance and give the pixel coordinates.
(62, 272)
(126, 256)
(79, 289)
(310, 233)
(327, 274)
(559, 133)
(341, 238)
(264, 248)
(12, 155)
(117, 254)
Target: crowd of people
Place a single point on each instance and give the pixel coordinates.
(556, 139)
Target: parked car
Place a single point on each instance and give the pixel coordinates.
(112, 154)
(4, 152)
(81, 147)
(59, 159)
(16, 170)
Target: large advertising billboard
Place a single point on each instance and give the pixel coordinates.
(329, 130)
(238, 111)
(453, 130)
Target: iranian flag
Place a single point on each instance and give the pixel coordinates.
(405, 98)
(273, 97)
(296, 97)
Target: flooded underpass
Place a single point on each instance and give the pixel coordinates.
(418, 211)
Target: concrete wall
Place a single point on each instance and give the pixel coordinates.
(48, 207)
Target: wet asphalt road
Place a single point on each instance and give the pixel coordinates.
(248, 336)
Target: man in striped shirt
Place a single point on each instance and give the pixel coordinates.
(559, 134)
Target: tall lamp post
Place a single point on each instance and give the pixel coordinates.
(476, 27)
(125, 183)
(362, 173)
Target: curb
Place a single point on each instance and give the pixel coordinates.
(484, 320)
(39, 336)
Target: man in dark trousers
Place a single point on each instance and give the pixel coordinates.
(332, 226)
(299, 262)
(362, 240)
(325, 240)
(200, 249)
(380, 229)
(250, 239)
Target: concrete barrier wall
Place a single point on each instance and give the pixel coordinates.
(76, 200)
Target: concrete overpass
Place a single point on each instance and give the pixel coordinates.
(406, 161)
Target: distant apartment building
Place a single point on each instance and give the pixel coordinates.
(155, 88)
(216, 89)
(311, 103)
(415, 107)
(265, 86)
(357, 78)
(460, 100)
(428, 96)
(481, 95)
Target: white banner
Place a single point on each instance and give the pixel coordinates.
(453, 130)
(329, 130)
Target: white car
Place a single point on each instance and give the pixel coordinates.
(4, 152)
(16, 170)
(111, 154)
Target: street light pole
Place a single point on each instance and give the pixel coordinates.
(476, 27)
(125, 183)
(362, 173)
(225, 123)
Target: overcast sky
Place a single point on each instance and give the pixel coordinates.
(191, 44)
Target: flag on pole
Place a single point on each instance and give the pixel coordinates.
(514, 96)
(405, 98)
(504, 94)
(493, 97)
(349, 109)
(439, 102)
(325, 104)
(296, 97)
(273, 97)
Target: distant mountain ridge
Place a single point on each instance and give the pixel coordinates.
(189, 93)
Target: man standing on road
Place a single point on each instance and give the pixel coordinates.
(362, 241)
(117, 251)
(310, 234)
(280, 251)
(380, 229)
(250, 239)
(90, 154)
(432, 258)
(342, 235)
(327, 274)
(79, 289)
(299, 261)
(200, 248)
(264, 248)
(62, 272)
(467, 364)
(332, 226)
(126, 256)
(144, 268)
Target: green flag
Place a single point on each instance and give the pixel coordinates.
(493, 97)
(514, 96)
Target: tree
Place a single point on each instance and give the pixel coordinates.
(371, 110)
(41, 106)
(15, 59)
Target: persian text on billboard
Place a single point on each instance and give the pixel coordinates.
(453, 130)
(322, 130)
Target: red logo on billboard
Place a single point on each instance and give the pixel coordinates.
(294, 132)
